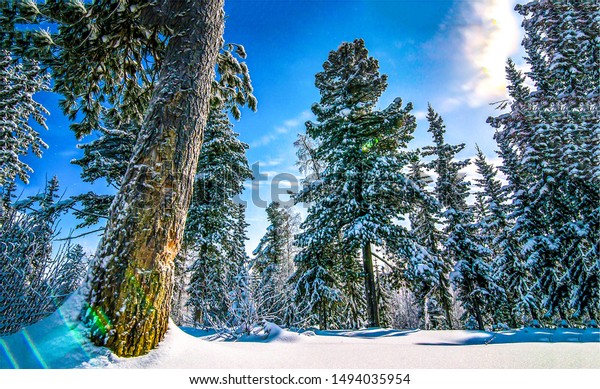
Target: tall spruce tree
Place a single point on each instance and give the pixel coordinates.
(426, 271)
(362, 187)
(451, 191)
(319, 292)
(493, 223)
(551, 137)
(515, 270)
(242, 311)
(273, 265)
(19, 81)
(208, 239)
(317, 287)
(103, 56)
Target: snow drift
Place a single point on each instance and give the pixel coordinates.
(60, 341)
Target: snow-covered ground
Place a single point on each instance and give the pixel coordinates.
(59, 341)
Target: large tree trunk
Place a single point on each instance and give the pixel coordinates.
(131, 282)
(370, 288)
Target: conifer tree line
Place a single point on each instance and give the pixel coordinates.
(388, 226)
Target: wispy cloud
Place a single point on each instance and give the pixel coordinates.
(489, 33)
(488, 42)
(286, 127)
(420, 115)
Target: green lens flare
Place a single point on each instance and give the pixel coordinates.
(369, 145)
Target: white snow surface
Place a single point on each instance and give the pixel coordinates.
(60, 341)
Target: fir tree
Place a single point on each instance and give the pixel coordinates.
(242, 311)
(352, 307)
(474, 281)
(222, 170)
(516, 272)
(493, 225)
(550, 136)
(317, 288)
(19, 81)
(273, 264)
(104, 158)
(362, 187)
(451, 191)
(425, 271)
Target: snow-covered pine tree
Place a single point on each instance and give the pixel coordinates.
(426, 271)
(352, 306)
(100, 55)
(515, 270)
(242, 313)
(318, 286)
(552, 135)
(222, 170)
(493, 224)
(363, 187)
(451, 191)
(273, 265)
(104, 158)
(474, 277)
(19, 81)
(107, 157)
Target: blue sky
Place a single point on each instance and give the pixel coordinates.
(447, 53)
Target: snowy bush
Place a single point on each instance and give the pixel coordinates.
(33, 282)
(32, 285)
(405, 310)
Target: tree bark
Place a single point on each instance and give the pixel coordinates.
(131, 281)
(370, 288)
(478, 316)
(426, 312)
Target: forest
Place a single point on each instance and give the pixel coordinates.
(392, 236)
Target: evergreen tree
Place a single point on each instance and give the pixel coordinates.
(105, 158)
(426, 271)
(273, 264)
(451, 191)
(351, 309)
(493, 224)
(317, 288)
(222, 170)
(242, 311)
(516, 272)
(18, 83)
(551, 138)
(362, 187)
(318, 293)
(474, 281)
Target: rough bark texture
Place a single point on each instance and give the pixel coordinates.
(131, 282)
(370, 288)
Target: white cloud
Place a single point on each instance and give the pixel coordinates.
(492, 33)
(271, 162)
(420, 115)
(286, 127)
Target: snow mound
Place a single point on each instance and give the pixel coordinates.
(271, 333)
(274, 333)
